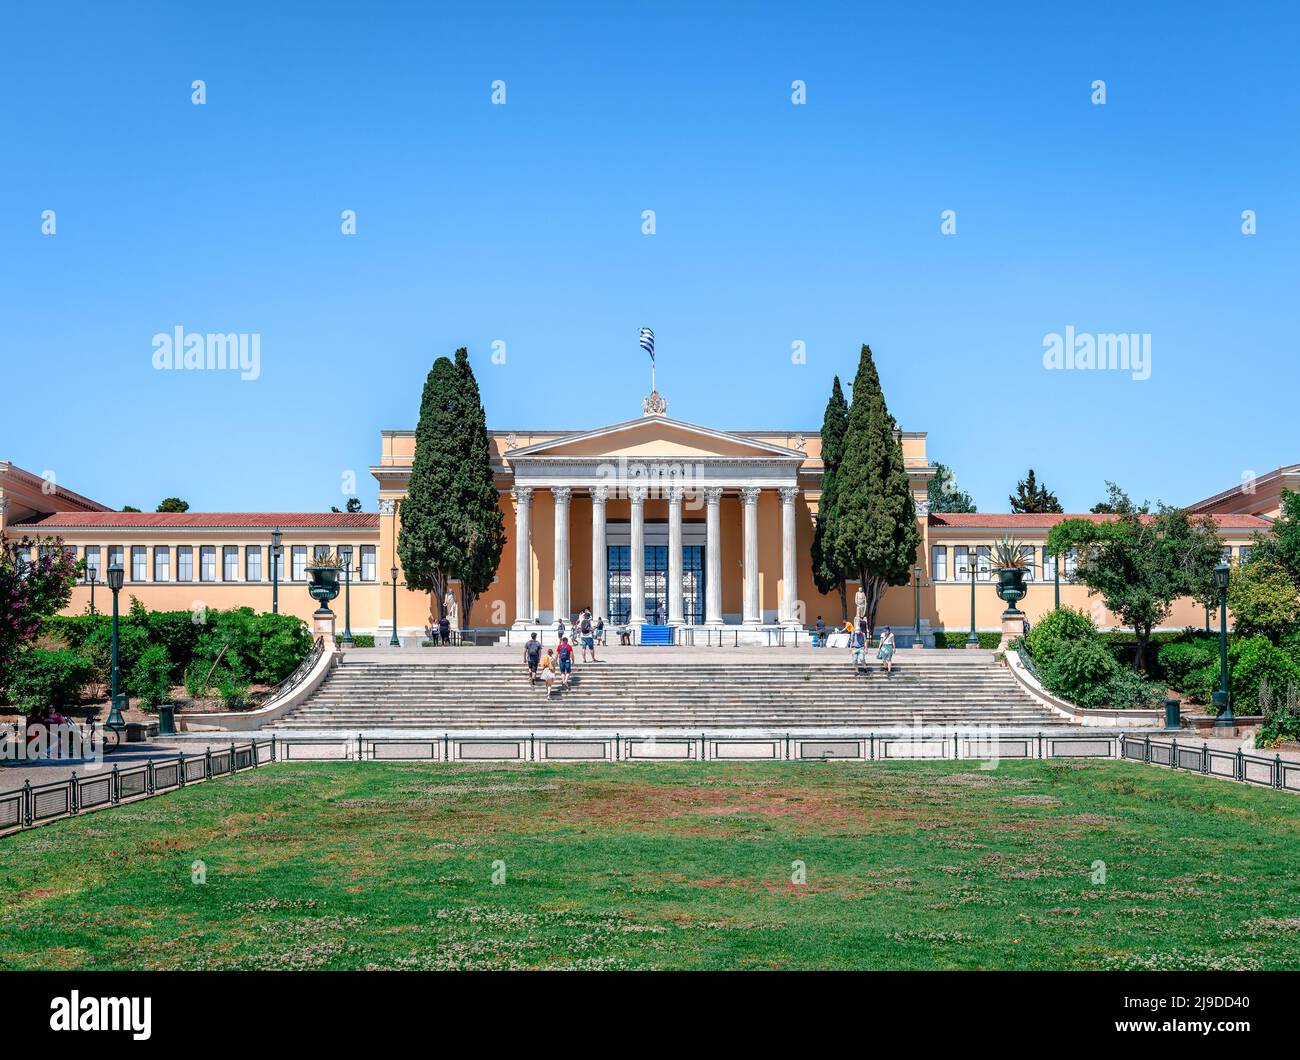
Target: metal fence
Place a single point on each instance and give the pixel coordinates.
(34, 804)
(1275, 772)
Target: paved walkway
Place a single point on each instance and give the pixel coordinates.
(15, 774)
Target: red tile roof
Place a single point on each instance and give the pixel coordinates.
(206, 520)
(1034, 521)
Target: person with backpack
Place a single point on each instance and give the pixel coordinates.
(858, 645)
(565, 655)
(588, 634)
(548, 672)
(532, 657)
(600, 632)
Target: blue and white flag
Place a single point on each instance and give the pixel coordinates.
(648, 342)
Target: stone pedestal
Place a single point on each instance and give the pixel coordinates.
(1013, 626)
(322, 625)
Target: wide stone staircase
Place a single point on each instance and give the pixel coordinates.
(777, 689)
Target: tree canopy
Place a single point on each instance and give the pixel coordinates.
(827, 574)
(173, 504)
(943, 494)
(1034, 498)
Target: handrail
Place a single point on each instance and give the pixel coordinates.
(297, 676)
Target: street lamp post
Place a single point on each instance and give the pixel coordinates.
(90, 580)
(916, 582)
(345, 554)
(972, 640)
(115, 720)
(1221, 699)
(276, 551)
(1056, 579)
(393, 642)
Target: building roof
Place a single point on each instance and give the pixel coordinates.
(1036, 521)
(205, 520)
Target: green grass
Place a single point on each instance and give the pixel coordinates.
(909, 865)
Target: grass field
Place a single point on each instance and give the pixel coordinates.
(908, 865)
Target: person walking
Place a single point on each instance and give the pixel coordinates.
(600, 631)
(565, 654)
(588, 633)
(858, 646)
(559, 629)
(532, 656)
(444, 630)
(886, 652)
(819, 633)
(548, 672)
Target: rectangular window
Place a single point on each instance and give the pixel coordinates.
(1226, 552)
(253, 563)
(92, 564)
(139, 563)
(1243, 554)
(184, 563)
(961, 563)
(367, 563)
(1028, 559)
(114, 556)
(162, 563)
(939, 563)
(1049, 567)
(23, 558)
(1071, 559)
(319, 552)
(983, 554)
(230, 563)
(347, 559)
(299, 558)
(278, 569)
(208, 563)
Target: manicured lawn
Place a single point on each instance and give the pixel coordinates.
(909, 865)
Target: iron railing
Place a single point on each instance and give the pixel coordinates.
(298, 675)
(34, 804)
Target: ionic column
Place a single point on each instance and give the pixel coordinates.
(561, 595)
(675, 617)
(713, 555)
(523, 497)
(637, 496)
(599, 555)
(752, 612)
(789, 567)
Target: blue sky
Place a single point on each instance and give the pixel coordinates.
(776, 223)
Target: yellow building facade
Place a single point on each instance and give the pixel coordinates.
(648, 521)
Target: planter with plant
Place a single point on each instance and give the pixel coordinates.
(324, 584)
(1008, 559)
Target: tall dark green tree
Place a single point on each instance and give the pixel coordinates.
(1034, 498)
(875, 531)
(828, 576)
(430, 540)
(484, 533)
(943, 492)
(173, 504)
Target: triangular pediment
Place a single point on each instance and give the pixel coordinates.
(654, 436)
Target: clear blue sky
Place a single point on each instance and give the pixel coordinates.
(522, 223)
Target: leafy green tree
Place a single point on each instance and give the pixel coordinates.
(354, 504)
(173, 504)
(429, 540)
(483, 532)
(875, 531)
(828, 576)
(1281, 545)
(1262, 599)
(31, 589)
(129, 508)
(1034, 498)
(1141, 562)
(945, 496)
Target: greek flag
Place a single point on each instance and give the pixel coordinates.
(647, 342)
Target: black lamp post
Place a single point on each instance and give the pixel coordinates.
(345, 554)
(1221, 698)
(916, 582)
(972, 640)
(393, 642)
(1056, 579)
(90, 580)
(115, 720)
(276, 551)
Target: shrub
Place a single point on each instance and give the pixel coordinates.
(151, 681)
(1127, 689)
(1254, 663)
(363, 640)
(196, 686)
(1078, 669)
(1262, 600)
(1061, 624)
(41, 679)
(1178, 660)
(1201, 684)
(232, 689)
(284, 641)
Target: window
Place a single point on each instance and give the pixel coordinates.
(367, 563)
(983, 554)
(1049, 567)
(162, 563)
(184, 563)
(207, 563)
(139, 563)
(1243, 554)
(299, 558)
(939, 563)
(1226, 553)
(230, 563)
(277, 569)
(319, 552)
(347, 558)
(22, 558)
(961, 563)
(1028, 559)
(114, 556)
(253, 563)
(92, 564)
(1071, 559)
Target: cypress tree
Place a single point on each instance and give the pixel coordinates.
(1034, 498)
(484, 525)
(875, 532)
(827, 575)
(429, 541)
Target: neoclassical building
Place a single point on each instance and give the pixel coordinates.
(651, 520)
